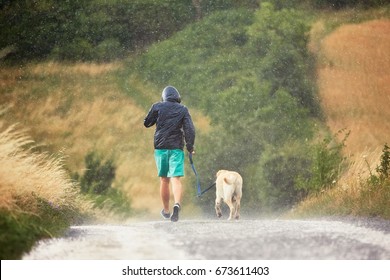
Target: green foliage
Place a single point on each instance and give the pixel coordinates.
(88, 29)
(96, 183)
(383, 170)
(281, 4)
(20, 230)
(17, 235)
(271, 181)
(338, 4)
(278, 39)
(209, 6)
(280, 172)
(114, 201)
(98, 175)
(209, 54)
(325, 165)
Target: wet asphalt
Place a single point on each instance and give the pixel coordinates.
(212, 239)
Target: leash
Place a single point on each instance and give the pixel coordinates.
(199, 189)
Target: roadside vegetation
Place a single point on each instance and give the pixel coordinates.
(38, 199)
(353, 74)
(255, 78)
(363, 191)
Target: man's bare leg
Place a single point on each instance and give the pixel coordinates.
(177, 194)
(177, 189)
(164, 193)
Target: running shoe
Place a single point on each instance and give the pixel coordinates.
(175, 214)
(165, 215)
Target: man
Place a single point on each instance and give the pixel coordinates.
(174, 128)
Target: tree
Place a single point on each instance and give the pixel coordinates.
(279, 40)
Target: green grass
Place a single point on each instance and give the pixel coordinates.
(20, 230)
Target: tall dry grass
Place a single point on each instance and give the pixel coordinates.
(354, 79)
(26, 175)
(354, 87)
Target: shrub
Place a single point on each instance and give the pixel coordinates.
(325, 165)
(98, 176)
(383, 168)
(96, 183)
(355, 193)
(382, 176)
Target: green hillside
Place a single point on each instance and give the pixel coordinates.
(249, 73)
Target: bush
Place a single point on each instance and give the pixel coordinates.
(96, 183)
(383, 168)
(382, 176)
(325, 165)
(98, 176)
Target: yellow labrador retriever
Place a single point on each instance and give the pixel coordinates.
(229, 189)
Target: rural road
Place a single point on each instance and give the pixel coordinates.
(211, 239)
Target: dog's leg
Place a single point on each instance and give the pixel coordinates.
(237, 205)
(230, 203)
(218, 211)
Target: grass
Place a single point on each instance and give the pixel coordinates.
(353, 83)
(353, 75)
(83, 107)
(353, 195)
(38, 199)
(24, 172)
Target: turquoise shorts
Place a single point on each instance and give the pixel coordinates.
(170, 163)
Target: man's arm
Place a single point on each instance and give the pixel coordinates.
(151, 118)
(189, 132)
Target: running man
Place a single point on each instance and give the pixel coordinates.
(174, 128)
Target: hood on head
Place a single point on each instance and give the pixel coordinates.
(170, 93)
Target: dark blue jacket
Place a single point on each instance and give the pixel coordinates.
(173, 124)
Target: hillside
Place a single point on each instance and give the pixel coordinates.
(353, 79)
(78, 108)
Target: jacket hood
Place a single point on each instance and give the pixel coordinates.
(170, 93)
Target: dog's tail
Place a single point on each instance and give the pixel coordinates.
(228, 181)
(232, 179)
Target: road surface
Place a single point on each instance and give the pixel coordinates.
(209, 239)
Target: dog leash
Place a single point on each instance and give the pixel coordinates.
(199, 189)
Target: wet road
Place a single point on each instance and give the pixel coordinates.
(218, 239)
